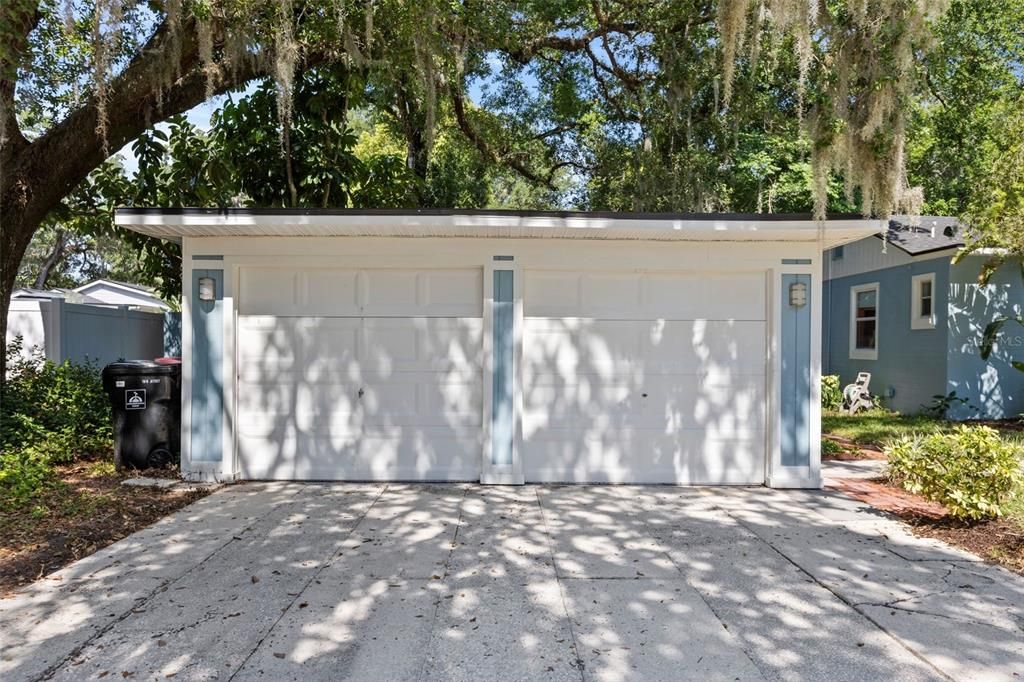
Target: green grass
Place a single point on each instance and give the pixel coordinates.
(877, 427)
(1015, 507)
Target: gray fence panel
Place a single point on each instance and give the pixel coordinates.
(104, 335)
(89, 333)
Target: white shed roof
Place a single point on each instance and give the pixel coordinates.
(173, 224)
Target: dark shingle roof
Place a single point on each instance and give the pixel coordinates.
(931, 233)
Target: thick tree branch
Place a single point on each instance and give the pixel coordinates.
(491, 154)
(55, 256)
(18, 18)
(66, 153)
(523, 53)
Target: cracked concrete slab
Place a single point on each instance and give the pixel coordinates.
(652, 629)
(324, 581)
(961, 650)
(501, 629)
(349, 626)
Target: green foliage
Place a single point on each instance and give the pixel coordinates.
(831, 393)
(830, 447)
(315, 164)
(967, 130)
(971, 77)
(971, 470)
(23, 473)
(941, 404)
(51, 414)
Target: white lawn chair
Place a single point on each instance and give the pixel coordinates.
(856, 395)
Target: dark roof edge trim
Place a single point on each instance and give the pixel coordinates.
(226, 212)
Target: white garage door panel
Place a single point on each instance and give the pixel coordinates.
(425, 455)
(715, 349)
(354, 293)
(644, 378)
(328, 348)
(634, 296)
(637, 456)
(382, 383)
(414, 400)
(665, 403)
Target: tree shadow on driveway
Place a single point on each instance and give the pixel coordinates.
(417, 582)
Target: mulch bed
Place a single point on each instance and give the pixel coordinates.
(81, 514)
(999, 541)
(1001, 424)
(851, 451)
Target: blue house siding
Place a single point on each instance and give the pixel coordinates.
(994, 387)
(911, 364)
(795, 352)
(207, 369)
(502, 422)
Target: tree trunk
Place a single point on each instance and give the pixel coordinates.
(55, 256)
(37, 175)
(410, 115)
(15, 236)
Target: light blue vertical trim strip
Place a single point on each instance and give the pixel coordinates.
(796, 376)
(207, 370)
(502, 330)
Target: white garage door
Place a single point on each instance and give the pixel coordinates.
(359, 374)
(644, 377)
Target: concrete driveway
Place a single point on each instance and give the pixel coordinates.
(403, 582)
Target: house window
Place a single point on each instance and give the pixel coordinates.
(864, 322)
(837, 253)
(922, 301)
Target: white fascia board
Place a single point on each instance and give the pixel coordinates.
(137, 290)
(176, 226)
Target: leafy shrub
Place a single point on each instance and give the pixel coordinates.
(22, 474)
(971, 470)
(831, 393)
(941, 404)
(50, 414)
(830, 447)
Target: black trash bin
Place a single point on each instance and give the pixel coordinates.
(145, 397)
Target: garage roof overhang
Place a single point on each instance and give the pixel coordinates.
(173, 224)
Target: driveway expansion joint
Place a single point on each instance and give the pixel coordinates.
(163, 586)
(849, 603)
(444, 576)
(323, 565)
(578, 660)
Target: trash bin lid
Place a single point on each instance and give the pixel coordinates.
(137, 368)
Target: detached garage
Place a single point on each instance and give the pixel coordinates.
(500, 347)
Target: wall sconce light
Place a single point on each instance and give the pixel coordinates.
(207, 289)
(798, 294)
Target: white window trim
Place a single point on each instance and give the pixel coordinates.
(864, 353)
(917, 320)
